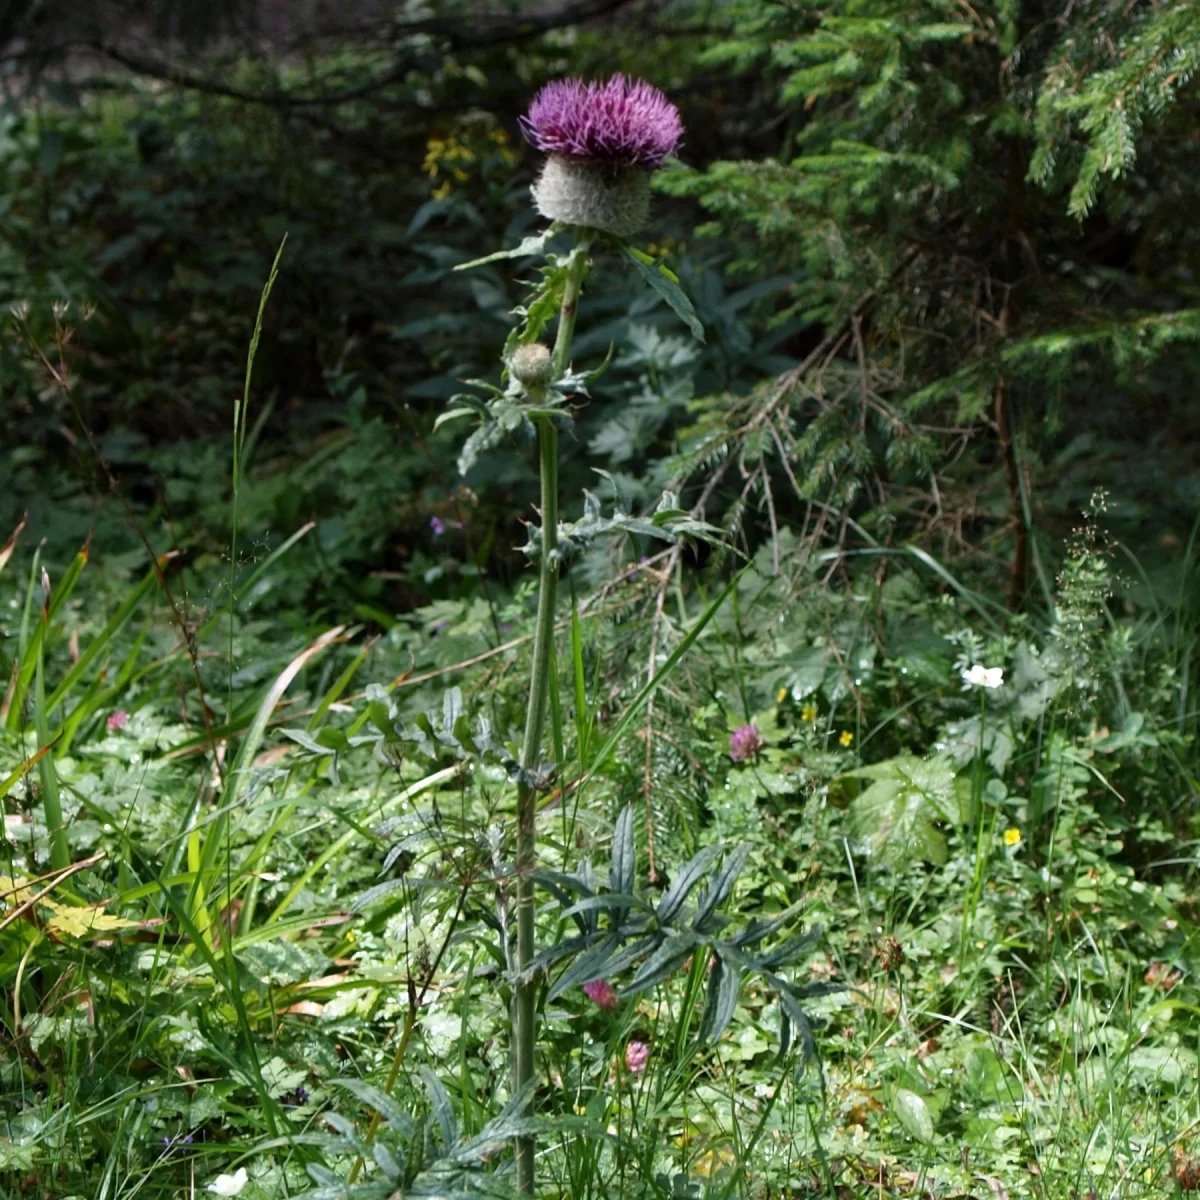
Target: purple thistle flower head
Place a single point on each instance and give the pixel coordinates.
(744, 743)
(621, 122)
(602, 994)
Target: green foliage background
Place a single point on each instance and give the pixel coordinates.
(944, 259)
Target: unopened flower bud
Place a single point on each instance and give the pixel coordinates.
(530, 366)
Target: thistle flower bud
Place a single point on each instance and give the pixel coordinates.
(603, 142)
(530, 366)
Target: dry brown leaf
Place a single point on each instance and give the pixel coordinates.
(303, 1008)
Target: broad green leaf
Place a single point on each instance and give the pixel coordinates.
(913, 1114)
(896, 815)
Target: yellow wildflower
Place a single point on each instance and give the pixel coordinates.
(433, 155)
(712, 1160)
(1012, 837)
(808, 712)
(447, 155)
(847, 738)
(782, 696)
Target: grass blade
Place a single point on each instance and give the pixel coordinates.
(661, 674)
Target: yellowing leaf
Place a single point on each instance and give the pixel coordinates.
(70, 921)
(13, 892)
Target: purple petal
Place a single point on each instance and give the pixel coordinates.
(621, 121)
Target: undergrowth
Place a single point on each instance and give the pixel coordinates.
(288, 955)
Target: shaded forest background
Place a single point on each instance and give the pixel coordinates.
(951, 344)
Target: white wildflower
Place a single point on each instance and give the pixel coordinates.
(981, 676)
(229, 1185)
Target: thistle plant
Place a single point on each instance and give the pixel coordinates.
(602, 141)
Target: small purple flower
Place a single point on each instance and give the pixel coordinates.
(637, 1054)
(437, 525)
(117, 720)
(621, 122)
(744, 743)
(602, 994)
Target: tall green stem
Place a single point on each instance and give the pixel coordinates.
(60, 851)
(524, 1014)
(576, 267)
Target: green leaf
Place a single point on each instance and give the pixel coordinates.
(792, 951)
(624, 855)
(896, 814)
(794, 1015)
(1170, 1065)
(443, 1113)
(718, 891)
(455, 414)
(382, 1103)
(528, 247)
(665, 961)
(984, 1076)
(303, 738)
(668, 288)
(724, 983)
(684, 882)
(634, 952)
(913, 1114)
(584, 969)
(613, 901)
